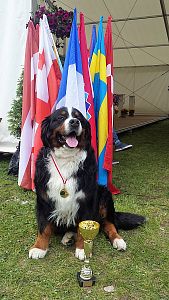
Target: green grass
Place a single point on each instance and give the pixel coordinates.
(139, 273)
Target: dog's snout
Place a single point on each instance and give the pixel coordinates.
(74, 122)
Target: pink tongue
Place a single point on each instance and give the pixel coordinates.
(72, 142)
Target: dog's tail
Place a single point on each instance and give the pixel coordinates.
(128, 221)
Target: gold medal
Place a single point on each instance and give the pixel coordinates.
(64, 193)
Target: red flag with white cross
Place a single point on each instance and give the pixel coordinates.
(48, 76)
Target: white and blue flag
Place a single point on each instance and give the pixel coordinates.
(71, 92)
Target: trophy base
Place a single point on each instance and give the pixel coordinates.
(87, 282)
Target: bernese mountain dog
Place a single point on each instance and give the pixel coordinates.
(67, 189)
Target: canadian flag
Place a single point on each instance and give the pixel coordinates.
(48, 76)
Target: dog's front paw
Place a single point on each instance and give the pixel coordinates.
(119, 244)
(79, 253)
(36, 253)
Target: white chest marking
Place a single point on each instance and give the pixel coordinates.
(68, 161)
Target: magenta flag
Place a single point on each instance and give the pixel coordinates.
(87, 82)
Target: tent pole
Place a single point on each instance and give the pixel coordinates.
(129, 19)
(141, 46)
(163, 9)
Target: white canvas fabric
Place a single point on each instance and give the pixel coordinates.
(14, 15)
(150, 31)
(135, 64)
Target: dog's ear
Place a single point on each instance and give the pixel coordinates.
(46, 131)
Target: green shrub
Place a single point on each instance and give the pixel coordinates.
(15, 113)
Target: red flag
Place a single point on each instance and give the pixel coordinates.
(28, 107)
(48, 76)
(87, 82)
(48, 82)
(110, 72)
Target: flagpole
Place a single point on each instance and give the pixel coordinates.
(52, 42)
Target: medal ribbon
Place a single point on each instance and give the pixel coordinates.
(57, 168)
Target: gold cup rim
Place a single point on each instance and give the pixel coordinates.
(89, 225)
(89, 229)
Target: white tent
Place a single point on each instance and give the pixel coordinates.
(14, 15)
(141, 50)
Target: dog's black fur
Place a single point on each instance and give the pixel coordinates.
(98, 204)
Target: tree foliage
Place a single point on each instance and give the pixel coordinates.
(15, 113)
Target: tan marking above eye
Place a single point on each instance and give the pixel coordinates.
(63, 113)
(76, 114)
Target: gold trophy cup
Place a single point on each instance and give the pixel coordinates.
(89, 230)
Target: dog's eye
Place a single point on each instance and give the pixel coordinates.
(60, 118)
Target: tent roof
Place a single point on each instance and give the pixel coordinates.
(140, 34)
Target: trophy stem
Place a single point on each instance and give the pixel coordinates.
(88, 246)
(86, 271)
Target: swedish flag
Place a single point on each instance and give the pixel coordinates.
(98, 75)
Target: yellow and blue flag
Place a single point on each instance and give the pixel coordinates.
(99, 80)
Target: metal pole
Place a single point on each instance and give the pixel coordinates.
(141, 46)
(129, 19)
(165, 17)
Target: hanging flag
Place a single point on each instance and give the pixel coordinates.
(92, 43)
(98, 75)
(90, 114)
(71, 93)
(48, 76)
(47, 86)
(108, 159)
(28, 107)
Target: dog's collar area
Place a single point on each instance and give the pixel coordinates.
(63, 192)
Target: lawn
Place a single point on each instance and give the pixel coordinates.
(142, 272)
